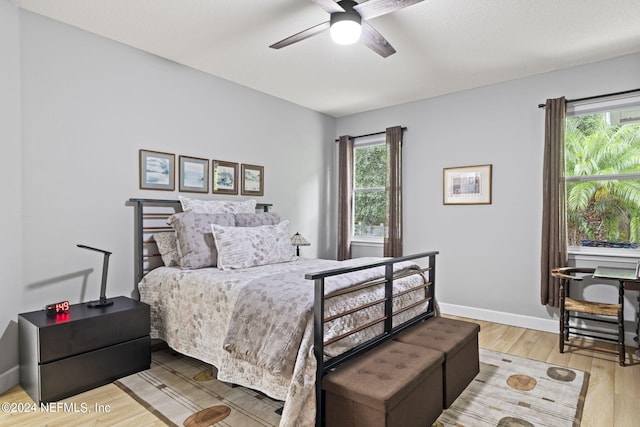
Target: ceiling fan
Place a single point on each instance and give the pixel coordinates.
(348, 23)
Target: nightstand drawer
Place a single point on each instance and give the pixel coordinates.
(74, 375)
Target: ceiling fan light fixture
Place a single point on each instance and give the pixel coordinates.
(346, 32)
(345, 26)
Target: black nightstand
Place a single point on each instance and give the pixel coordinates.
(68, 354)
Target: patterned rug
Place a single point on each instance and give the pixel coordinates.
(512, 391)
(509, 391)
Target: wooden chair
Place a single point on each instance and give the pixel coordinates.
(588, 310)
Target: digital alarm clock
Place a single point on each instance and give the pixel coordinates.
(58, 308)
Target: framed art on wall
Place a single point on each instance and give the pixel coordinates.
(194, 174)
(157, 170)
(225, 177)
(252, 180)
(467, 185)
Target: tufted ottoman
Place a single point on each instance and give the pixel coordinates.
(458, 340)
(394, 384)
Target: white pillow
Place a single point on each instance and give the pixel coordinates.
(217, 206)
(194, 241)
(168, 248)
(256, 219)
(242, 247)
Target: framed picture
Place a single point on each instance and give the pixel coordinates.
(157, 170)
(194, 174)
(225, 177)
(252, 180)
(467, 185)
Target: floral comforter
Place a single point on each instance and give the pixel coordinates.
(192, 310)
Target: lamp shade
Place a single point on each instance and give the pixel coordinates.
(298, 240)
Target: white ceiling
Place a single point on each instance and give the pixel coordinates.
(443, 46)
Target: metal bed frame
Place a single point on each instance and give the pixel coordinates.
(148, 212)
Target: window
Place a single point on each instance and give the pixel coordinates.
(602, 173)
(370, 175)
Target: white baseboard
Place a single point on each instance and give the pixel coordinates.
(9, 379)
(546, 325)
(528, 322)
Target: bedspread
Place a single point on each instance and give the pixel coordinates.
(192, 309)
(271, 312)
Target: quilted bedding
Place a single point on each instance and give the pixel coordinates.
(194, 311)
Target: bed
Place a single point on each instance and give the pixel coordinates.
(277, 327)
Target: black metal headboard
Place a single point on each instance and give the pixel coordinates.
(150, 216)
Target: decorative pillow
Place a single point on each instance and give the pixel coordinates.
(217, 206)
(196, 246)
(168, 248)
(256, 219)
(242, 247)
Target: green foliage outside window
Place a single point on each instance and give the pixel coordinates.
(369, 182)
(602, 209)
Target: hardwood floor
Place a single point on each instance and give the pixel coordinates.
(611, 398)
(122, 410)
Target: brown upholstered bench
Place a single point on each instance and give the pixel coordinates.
(394, 384)
(458, 340)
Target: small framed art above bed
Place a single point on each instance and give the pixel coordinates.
(225, 286)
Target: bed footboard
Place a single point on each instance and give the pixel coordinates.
(326, 365)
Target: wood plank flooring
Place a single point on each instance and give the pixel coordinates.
(612, 397)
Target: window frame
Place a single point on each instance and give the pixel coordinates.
(589, 107)
(363, 142)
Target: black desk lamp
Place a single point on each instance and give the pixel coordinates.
(103, 301)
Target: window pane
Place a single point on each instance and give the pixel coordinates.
(369, 214)
(370, 166)
(604, 211)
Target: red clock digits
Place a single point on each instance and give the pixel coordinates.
(61, 307)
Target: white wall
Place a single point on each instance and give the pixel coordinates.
(489, 254)
(88, 105)
(10, 192)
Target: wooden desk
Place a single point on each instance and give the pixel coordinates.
(629, 281)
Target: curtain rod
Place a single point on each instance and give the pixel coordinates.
(624, 92)
(372, 134)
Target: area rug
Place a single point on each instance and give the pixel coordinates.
(512, 391)
(509, 391)
(182, 391)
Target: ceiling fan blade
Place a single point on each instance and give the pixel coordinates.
(301, 35)
(374, 8)
(329, 6)
(374, 41)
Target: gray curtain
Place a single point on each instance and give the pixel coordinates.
(393, 217)
(554, 217)
(345, 196)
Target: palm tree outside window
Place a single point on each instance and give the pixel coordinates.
(602, 174)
